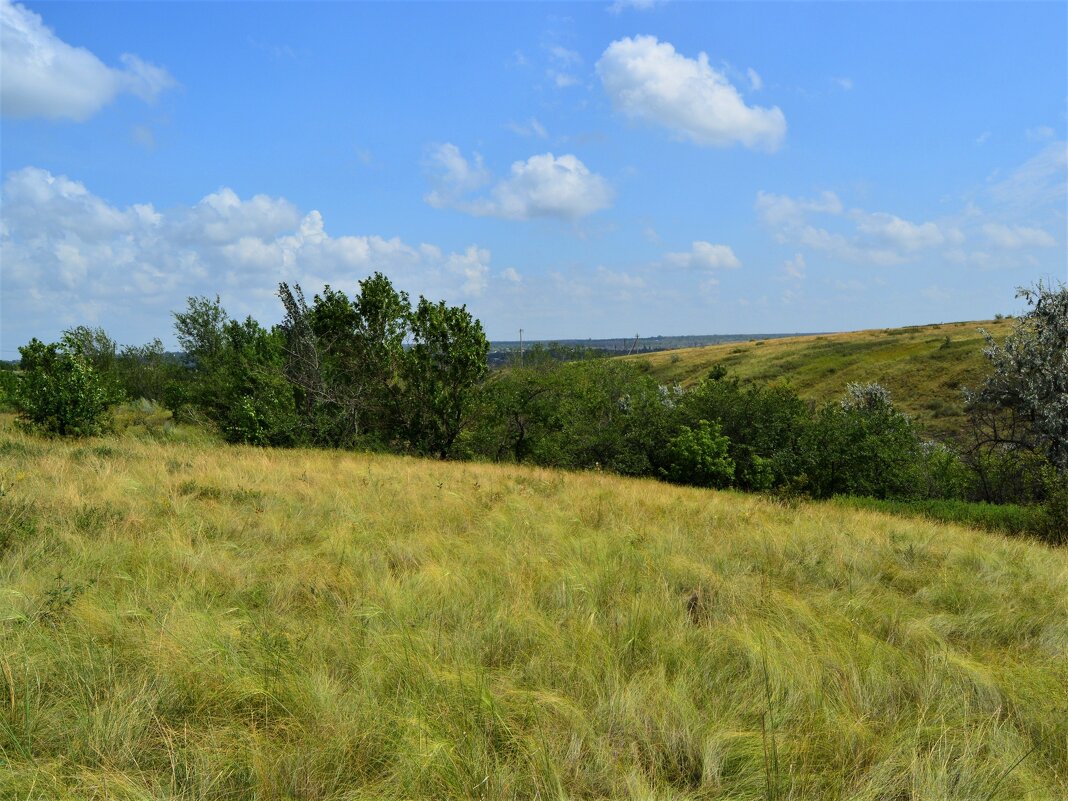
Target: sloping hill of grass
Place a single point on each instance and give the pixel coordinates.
(924, 367)
(183, 621)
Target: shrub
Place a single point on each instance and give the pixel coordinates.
(860, 446)
(1055, 507)
(60, 392)
(699, 457)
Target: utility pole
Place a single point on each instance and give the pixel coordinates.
(633, 347)
(520, 345)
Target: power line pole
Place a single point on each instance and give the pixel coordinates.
(520, 345)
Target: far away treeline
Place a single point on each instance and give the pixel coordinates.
(375, 372)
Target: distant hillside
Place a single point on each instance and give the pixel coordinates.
(924, 367)
(502, 351)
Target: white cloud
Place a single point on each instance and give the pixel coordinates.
(454, 174)
(845, 84)
(783, 211)
(795, 268)
(896, 232)
(648, 80)
(1039, 133)
(756, 83)
(562, 64)
(511, 274)
(620, 6)
(542, 186)
(65, 250)
(473, 266)
(1042, 180)
(619, 281)
(872, 238)
(982, 138)
(43, 76)
(1017, 237)
(704, 256)
(529, 128)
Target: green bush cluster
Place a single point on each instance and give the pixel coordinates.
(375, 371)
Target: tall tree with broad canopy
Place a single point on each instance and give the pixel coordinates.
(443, 366)
(1023, 404)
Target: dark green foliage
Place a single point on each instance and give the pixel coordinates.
(861, 446)
(144, 371)
(763, 425)
(60, 392)
(596, 413)
(699, 457)
(356, 382)
(1001, 518)
(1055, 506)
(446, 361)
(9, 383)
(345, 356)
(236, 379)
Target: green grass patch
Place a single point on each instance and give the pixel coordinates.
(1004, 518)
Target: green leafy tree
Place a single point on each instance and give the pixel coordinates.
(60, 392)
(860, 446)
(234, 376)
(345, 358)
(700, 457)
(442, 367)
(1023, 403)
(145, 371)
(763, 424)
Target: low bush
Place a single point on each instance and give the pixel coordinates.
(60, 392)
(1002, 518)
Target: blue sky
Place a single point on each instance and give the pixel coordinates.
(575, 170)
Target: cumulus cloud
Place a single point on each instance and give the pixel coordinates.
(542, 186)
(704, 256)
(1016, 237)
(1015, 217)
(896, 232)
(43, 76)
(454, 174)
(861, 237)
(647, 80)
(64, 248)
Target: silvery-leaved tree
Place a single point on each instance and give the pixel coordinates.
(1023, 403)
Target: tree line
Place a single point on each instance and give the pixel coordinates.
(377, 372)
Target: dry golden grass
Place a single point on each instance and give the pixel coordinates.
(924, 367)
(189, 621)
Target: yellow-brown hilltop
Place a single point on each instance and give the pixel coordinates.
(925, 367)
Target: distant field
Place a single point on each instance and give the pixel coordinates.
(924, 367)
(192, 621)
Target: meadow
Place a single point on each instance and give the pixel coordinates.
(185, 620)
(925, 367)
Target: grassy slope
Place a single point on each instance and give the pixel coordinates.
(924, 375)
(186, 621)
